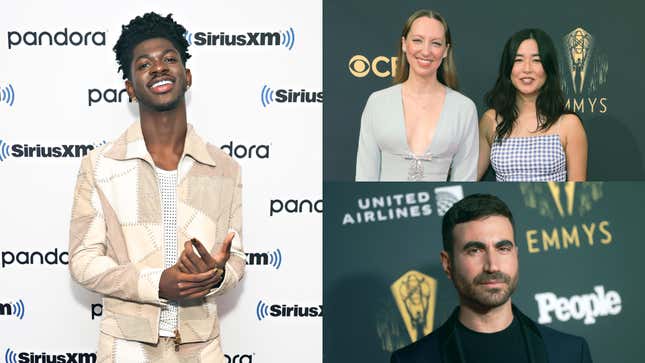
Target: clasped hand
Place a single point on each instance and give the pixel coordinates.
(195, 274)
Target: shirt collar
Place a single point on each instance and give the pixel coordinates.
(131, 145)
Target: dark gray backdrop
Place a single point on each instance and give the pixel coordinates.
(362, 260)
(479, 30)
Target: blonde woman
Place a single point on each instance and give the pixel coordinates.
(420, 129)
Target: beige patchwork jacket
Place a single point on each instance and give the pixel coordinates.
(116, 233)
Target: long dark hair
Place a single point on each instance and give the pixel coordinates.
(447, 72)
(550, 104)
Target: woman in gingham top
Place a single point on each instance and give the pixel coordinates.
(528, 134)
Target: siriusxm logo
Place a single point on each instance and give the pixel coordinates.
(4, 150)
(39, 151)
(60, 38)
(266, 258)
(263, 311)
(268, 96)
(285, 38)
(587, 307)
(108, 95)
(241, 151)
(30, 357)
(7, 95)
(33, 258)
(16, 309)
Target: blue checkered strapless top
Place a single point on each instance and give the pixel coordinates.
(533, 158)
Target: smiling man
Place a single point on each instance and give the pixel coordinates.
(157, 216)
(481, 258)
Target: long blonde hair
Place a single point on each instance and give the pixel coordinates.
(447, 72)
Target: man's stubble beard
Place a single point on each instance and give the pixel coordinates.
(169, 106)
(479, 296)
(164, 107)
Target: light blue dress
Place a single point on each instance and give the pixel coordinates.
(383, 152)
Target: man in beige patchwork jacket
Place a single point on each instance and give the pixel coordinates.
(157, 218)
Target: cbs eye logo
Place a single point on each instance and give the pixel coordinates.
(381, 66)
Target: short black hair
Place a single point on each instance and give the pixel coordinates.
(150, 25)
(471, 208)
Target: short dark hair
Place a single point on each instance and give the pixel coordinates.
(150, 25)
(471, 208)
